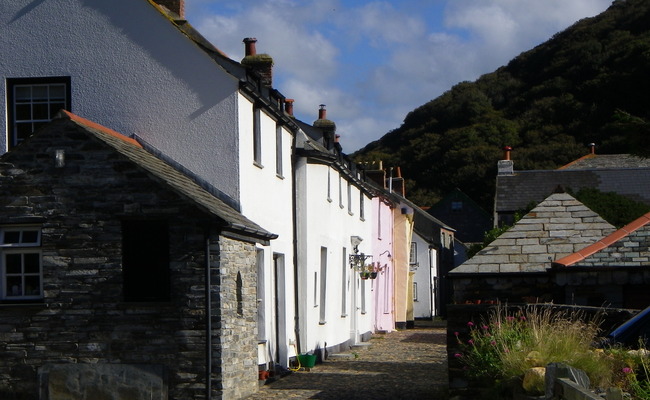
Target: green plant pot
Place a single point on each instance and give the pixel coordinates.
(307, 360)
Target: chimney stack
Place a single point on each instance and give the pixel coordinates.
(262, 64)
(288, 106)
(328, 127)
(506, 166)
(592, 148)
(175, 6)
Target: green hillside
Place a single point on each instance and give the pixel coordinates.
(589, 83)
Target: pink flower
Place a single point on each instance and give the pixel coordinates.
(485, 327)
(493, 343)
(471, 342)
(510, 318)
(456, 333)
(458, 355)
(522, 318)
(627, 370)
(470, 324)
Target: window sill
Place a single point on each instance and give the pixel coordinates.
(322, 322)
(350, 213)
(329, 200)
(258, 164)
(279, 176)
(23, 303)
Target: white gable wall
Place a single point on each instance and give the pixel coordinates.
(425, 274)
(131, 70)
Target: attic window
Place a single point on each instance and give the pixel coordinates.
(32, 103)
(456, 206)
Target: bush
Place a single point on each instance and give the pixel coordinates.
(508, 343)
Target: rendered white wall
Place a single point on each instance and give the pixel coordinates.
(424, 307)
(324, 223)
(267, 199)
(132, 71)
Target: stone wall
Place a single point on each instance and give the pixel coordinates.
(83, 318)
(512, 288)
(235, 344)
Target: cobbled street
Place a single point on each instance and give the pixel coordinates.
(407, 364)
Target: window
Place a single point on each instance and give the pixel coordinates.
(415, 291)
(278, 150)
(323, 284)
(413, 256)
(344, 283)
(257, 137)
(329, 185)
(362, 215)
(350, 198)
(145, 260)
(341, 192)
(456, 206)
(33, 102)
(20, 263)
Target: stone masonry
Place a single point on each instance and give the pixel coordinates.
(83, 319)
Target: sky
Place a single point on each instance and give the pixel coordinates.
(371, 62)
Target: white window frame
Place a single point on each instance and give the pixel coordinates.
(22, 248)
(257, 136)
(46, 105)
(278, 151)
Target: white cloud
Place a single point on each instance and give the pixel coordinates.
(371, 62)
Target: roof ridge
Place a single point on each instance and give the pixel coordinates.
(577, 160)
(64, 114)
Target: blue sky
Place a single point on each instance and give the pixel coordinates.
(371, 62)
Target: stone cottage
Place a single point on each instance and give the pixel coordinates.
(514, 267)
(612, 271)
(108, 257)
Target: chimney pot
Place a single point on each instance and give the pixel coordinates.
(288, 106)
(322, 112)
(592, 147)
(506, 152)
(250, 46)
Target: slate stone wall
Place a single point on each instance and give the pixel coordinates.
(236, 346)
(83, 318)
(513, 288)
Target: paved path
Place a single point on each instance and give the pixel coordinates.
(408, 364)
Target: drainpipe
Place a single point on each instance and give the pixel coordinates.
(208, 322)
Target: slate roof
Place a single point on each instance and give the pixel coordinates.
(166, 174)
(607, 161)
(560, 225)
(627, 247)
(471, 222)
(516, 192)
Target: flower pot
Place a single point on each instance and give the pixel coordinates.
(373, 275)
(307, 360)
